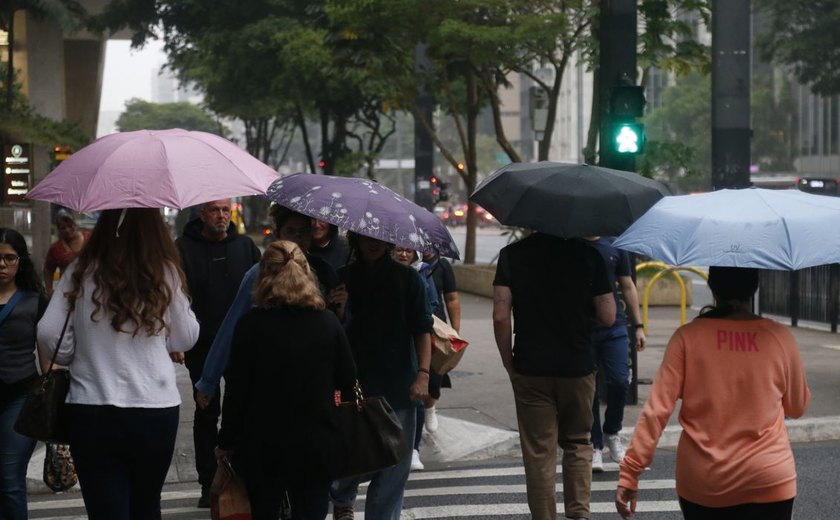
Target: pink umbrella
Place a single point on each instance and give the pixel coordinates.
(153, 169)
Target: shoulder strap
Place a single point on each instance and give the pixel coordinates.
(60, 339)
(10, 305)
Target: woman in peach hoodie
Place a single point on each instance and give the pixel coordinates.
(739, 376)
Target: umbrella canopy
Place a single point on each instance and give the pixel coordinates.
(766, 229)
(153, 169)
(567, 200)
(364, 207)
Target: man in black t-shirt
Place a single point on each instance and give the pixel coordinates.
(554, 288)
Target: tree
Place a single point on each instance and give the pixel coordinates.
(272, 63)
(803, 35)
(679, 146)
(141, 114)
(775, 125)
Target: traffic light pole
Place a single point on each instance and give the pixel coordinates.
(617, 68)
(423, 145)
(731, 94)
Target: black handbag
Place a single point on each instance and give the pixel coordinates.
(42, 416)
(373, 435)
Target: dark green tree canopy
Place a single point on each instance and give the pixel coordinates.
(804, 35)
(140, 115)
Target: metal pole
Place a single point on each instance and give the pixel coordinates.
(617, 63)
(423, 145)
(731, 35)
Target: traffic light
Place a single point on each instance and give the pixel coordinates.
(439, 189)
(628, 138)
(60, 153)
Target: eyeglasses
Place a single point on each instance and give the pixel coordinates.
(10, 259)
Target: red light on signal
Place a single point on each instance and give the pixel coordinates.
(321, 164)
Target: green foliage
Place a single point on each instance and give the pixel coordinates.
(139, 115)
(803, 34)
(668, 39)
(774, 124)
(679, 137)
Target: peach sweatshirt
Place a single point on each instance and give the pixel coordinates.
(737, 381)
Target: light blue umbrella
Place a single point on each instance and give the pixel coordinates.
(766, 229)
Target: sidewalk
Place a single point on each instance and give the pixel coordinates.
(477, 416)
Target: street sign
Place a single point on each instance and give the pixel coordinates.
(17, 172)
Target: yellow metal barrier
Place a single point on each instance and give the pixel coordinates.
(665, 269)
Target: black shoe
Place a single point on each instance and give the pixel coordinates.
(204, 500)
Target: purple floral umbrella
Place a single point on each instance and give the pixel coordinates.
(364, 207)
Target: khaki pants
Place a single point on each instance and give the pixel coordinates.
(554, 411)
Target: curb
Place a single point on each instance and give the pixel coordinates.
(459, 440)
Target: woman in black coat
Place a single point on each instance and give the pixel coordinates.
(289, 356)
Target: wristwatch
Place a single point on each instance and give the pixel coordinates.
(637, 326)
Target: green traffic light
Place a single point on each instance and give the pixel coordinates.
(627, 140)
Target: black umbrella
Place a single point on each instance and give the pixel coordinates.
(567, 200)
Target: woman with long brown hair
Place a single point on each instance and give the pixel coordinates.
(128, 317)
(288, 357)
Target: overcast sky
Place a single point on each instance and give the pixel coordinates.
(128, 73)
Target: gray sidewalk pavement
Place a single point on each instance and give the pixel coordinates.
(477, 415)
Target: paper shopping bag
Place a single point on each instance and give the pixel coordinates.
(228, 495)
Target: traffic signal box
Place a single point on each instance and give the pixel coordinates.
(440, 191)
(60, 153)
(626, 135)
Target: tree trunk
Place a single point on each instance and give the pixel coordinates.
(301, 121)
(589, 152)
(473, 107)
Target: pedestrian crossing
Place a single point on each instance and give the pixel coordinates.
(494, 490)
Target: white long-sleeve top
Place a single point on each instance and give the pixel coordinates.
(113, 368)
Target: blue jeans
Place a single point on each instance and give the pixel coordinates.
(385, 493)
(15, 451)
(611, 354)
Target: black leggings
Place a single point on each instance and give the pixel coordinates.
(763, 511)
(122, 456)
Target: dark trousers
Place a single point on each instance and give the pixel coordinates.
(308, 500)
(205, 422)
(611, 352)
(766, 511)
(15, 451)
(122, 456)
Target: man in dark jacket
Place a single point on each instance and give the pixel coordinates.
(215, 258)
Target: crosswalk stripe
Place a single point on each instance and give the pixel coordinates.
(78, 502)
(520, 488)
(491, 510)
(504, 505)
(202, 513)
(609, 467)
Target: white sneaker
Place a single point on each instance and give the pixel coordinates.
(416, 463)
(617, 450)
(597, 461)
(431, 420)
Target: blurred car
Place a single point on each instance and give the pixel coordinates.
(485, 219)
